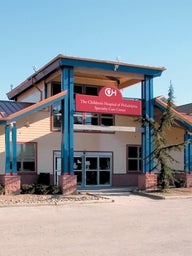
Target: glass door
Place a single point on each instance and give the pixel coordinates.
(98, 169)
(79, 167)
(91, 168)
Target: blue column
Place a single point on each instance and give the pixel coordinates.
(71, 121)
(67, 147)
(14, 148)
(7, 149)
(147, 113)
(186, 152)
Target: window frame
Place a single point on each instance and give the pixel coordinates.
(22, 159)
(138, 158)
(99, 119)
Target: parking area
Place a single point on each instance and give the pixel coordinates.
(131, 225)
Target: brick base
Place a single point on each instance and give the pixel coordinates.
(12, 184)
(188, 179)
(68, 184)
(147, 181)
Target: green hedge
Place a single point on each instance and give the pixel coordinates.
(40, 189)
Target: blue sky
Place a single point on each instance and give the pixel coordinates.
(153, 33)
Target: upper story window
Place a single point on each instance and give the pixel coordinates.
(134, 158)
(56, 108)
(79, 117)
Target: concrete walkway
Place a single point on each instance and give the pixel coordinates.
(129, 226)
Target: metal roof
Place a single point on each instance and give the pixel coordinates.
(9, 107)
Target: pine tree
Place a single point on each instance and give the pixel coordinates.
(162, 151)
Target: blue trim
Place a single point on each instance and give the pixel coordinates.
(65, 131)
(110, 66)
(67, 147)
(35, 109)
(186, 152)
(14, 148)
(71, 121)
(7, 149)
(190, 152)
(148, 113)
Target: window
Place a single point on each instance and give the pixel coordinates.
(91, 118)
(56, 108)
(79, 117)
(134, 158)
(26, 157)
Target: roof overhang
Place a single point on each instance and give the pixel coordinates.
(90, 71)
(33, 108)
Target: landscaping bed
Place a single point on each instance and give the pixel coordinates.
(37, 200)
(168, 194)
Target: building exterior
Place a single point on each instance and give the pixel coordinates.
(69, 123)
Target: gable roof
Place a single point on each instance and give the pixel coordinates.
(184, 118)
(185, 109)
(123, 74)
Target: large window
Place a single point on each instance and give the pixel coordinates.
(79, 117)
(26, 157)
(134, 158)
(56, 108)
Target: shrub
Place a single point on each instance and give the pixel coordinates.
(2, 190)
(40, 189)
(180, 183)
(28, 189)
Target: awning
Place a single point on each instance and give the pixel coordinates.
(33, 108)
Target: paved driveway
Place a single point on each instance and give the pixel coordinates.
(130, 226)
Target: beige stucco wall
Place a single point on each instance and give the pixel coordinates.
(114, 142)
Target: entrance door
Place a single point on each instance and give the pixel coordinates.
(91, 168)
(98, 169)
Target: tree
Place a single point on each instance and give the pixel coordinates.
(162, 151)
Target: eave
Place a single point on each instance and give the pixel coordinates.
(90, 71)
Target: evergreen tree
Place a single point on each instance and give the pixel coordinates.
(162, 151)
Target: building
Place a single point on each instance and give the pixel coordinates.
(69, 117)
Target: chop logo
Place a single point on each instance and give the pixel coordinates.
(110, 92)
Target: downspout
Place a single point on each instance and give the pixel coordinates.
(41, 93)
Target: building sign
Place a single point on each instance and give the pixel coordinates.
(109, 101)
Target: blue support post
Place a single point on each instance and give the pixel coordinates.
(67, 147)
(186, 152)
(190, 152)
(7, 149)
(14, 148)
(147, 113)
(71, 121)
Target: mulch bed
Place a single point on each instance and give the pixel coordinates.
(37, 200)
